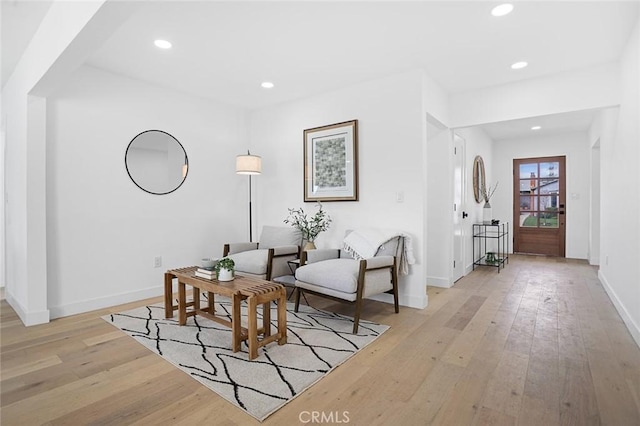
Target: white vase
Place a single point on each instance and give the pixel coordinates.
(225, 275)
(486, 214)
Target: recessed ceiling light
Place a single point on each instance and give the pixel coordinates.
(503, 9)
(536, 128)
(519, 65)
(162, 44)
(267, 84)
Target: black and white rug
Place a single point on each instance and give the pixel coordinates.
(317, 342)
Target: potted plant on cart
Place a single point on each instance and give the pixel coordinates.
(487, 193)
(225, 269)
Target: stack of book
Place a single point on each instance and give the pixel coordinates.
(207, 273)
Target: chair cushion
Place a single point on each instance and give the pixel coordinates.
(335, 274)
(276, 236)
(252, 261)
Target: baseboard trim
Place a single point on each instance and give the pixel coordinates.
(410, 301)
(27, 318)
(633, 328)
(105, 302)
(403, 299)
(469, 269)
(439, 282)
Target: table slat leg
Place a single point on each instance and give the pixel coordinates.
(282, 317)
(182, 303)
(236, 329)
(252, 316)
(266, 318)
(168, 295)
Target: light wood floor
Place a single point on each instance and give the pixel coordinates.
(540, 344)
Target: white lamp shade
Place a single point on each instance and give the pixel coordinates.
(248, 164)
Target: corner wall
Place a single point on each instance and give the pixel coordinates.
(391, 145)
(620, 198)
(26, 260)
(103, 232)
(439, 222)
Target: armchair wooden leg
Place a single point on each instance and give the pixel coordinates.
(356, 317)
(359, 293)
(394, 282)
(297, 305)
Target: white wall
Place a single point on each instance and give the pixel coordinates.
(590, 88)
(575, 147)
(595, 134)
(620, 198)
(3, 275)
(594, 207)
(440, 206)
(477, 143)
(67, 34)
(103, 232)
(391, 145)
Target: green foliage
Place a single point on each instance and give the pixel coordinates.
(310, 227)
(224, 263)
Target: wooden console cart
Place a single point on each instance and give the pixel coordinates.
(496, 236)
(254, 291)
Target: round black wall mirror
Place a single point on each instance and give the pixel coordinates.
(156, 162)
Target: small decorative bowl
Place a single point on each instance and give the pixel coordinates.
(207, 262)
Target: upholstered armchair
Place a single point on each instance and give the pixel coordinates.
(335, 274)
(267, 258)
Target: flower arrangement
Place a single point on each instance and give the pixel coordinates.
(310, 227)
(487, 193)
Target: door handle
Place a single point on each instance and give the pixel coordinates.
(464, 214)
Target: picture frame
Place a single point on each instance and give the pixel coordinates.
(331, 162)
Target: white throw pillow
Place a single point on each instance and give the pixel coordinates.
(277, 236)
(251, 261)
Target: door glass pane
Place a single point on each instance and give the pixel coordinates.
(539, 187)
(550, 169)
(549, 186)
(549, 219)
(528, 170)
(528, 220)
(528, 202)
(528, 186)
(549, 203)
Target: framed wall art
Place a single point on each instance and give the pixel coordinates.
(331, 162)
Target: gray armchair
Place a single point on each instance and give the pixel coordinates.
(336, 275)
(267, 258)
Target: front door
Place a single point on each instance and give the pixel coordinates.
(539, 205)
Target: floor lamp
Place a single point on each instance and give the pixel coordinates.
(249, 165)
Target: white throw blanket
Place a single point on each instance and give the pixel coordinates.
(364, 243)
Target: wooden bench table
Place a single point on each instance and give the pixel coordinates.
(255, 291)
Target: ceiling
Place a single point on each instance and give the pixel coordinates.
(569, 122)
(224, 50)
(19, 22)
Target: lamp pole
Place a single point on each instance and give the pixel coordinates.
(249, 165)
(250, 213)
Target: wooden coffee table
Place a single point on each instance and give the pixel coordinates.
(254, 291)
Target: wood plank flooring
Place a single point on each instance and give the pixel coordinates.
(538, 344)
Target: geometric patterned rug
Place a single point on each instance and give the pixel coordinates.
(317, 342)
